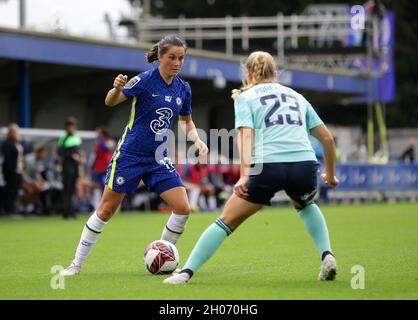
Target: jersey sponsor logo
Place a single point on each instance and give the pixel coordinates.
(131, 83)
(168, 98)
(178, 101)
(160, 125)
(155, 95)
(120, 180)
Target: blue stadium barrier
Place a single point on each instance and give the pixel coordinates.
(358, 177)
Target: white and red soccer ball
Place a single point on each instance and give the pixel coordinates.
(161, 257)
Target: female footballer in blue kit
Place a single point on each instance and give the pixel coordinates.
(158, 96)
(274, 122)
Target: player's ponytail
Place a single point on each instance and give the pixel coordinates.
(152, 54)
(261, 66)
(161, 47)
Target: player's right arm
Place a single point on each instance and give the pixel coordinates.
(115, 95)
(245, 146)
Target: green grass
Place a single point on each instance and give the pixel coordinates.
(269, 257)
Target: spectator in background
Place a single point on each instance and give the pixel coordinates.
(199, 179)
(358, 153)
(55, 194)
(83, 186)
(34, 183)
(69, 151)
(12, 167)
(409, 154)
(2, 190)
(232, 175)
(104, 148)
(216, 177)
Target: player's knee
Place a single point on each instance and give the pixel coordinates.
(229, 221)
(297, 205)
(301, 205)
(183, 208)
(105, 212)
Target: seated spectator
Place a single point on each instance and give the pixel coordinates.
(2, 192)
(216, 177)
(198, 177)
(53, 176)
(83, 186)
(34, 184)
(232, 175)
(408, 155)
(358, 153)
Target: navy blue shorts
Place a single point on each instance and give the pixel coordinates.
(125, 172)
(297, 179)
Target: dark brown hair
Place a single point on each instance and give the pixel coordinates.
(162, 46)
(70, 121)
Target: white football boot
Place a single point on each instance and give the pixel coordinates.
(177, 271)
(328, 268)
(179, 278)
(72, 270)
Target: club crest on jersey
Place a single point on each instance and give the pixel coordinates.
(160, 125)
(168, 98)
(131, 83)
(120, 180)
(178, 101)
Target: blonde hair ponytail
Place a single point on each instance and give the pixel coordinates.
(261, 66)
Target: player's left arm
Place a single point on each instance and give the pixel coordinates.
(189, 128)
(326, 139)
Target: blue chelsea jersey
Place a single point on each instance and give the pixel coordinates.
(155, 105)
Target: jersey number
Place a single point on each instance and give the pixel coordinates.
(272, 118)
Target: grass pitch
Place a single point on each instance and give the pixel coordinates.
(269, 257)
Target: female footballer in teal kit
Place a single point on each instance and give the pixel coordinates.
(274, 122)
(158, 97)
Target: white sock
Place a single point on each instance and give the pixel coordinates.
(212, 203)
(174, 227)
(89, 236)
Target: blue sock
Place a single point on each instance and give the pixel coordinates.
(317, 227)
(210, 240)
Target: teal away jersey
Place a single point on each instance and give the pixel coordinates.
(281, 119)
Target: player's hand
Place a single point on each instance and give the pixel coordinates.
(331, 182)
(202, 147)
(240, 188)
(120, 81)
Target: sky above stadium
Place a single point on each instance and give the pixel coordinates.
(77, 17)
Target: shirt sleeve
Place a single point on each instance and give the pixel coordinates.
(186, 109)
(312, 118)
(243, 115)
(134, 87)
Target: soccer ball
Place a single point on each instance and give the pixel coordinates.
(161, 257)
